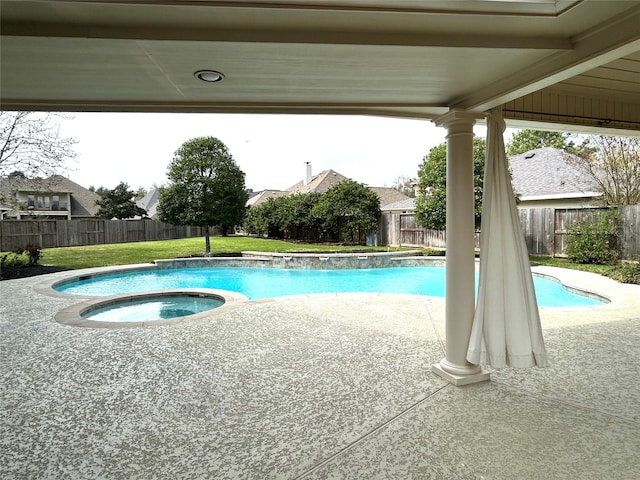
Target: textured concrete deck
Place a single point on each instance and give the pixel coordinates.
(317, 387)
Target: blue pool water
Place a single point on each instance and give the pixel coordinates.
(160, 308)
(261, 283)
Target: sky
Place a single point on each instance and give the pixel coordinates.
(137, 148)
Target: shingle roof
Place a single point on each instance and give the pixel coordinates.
(263, 196)
(319, 183)
(406, 204)
(150, 203)
(547, 172)
(388, 195)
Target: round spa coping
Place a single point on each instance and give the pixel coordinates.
(73, 314)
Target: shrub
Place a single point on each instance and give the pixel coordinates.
(626, 272)
(594, 240)
(34, 252)
(10, 262)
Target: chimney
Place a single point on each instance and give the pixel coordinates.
(307, 178)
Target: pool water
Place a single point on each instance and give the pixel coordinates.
(262, 283)
(158, 308)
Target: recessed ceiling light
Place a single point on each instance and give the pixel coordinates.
(210, 76)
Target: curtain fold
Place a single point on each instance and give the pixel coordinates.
(506, 326)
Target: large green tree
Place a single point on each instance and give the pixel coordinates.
(431, 202)
(118, 203)
(206, 188)
(348, 211)
(525, 140)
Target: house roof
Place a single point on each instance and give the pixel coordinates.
(83, 201)
(319, 183)
(150, 203)
(388, 195)
(548, 173)
(264, 195)
(408, 204)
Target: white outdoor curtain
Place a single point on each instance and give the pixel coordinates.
(506, 327)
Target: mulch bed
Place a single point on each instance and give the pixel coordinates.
(30, 271)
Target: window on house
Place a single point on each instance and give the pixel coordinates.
(31, 202)
(40, 203)
(47, 203)
(55, 202)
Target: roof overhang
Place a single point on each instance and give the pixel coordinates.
(568, 62)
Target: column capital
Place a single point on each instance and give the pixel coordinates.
(457, 116)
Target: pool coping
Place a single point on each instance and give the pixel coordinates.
(618, 297)
(73, 315)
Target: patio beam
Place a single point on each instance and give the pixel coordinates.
(619, 37)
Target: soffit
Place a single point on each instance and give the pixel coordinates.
(406, 58)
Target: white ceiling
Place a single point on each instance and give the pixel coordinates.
(570, 62)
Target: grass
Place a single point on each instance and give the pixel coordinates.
(566, 263)
(623, 272)
(147, 252)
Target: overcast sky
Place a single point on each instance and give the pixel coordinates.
(271, 149)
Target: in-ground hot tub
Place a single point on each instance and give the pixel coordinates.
(146, 308)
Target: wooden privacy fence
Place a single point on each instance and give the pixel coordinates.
(16, 234)
(544, 229)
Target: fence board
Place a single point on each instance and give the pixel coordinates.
(544, 230)
(15, 234)
(630, 236)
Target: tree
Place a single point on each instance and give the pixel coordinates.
(613, 163)
(526, 140)
(118, 203)
(431, 201)
(348, 210)
(140, 192)
(288, 217)
(206, 187)
(405, 185)
(30, 142)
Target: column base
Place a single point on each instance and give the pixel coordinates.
(475, 375)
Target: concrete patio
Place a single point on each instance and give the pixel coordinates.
(313, 387)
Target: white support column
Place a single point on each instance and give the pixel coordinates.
(460, 279)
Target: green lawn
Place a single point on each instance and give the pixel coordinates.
(566, 263)
(145, 252)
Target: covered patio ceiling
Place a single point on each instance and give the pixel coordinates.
(567, 64)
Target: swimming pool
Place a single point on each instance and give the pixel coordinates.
(263, 283)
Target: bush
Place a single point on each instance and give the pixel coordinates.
(626, 272)
(594, 240)
(10, 262)
(34, 252)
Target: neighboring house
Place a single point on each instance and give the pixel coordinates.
(388, 195)
(408, 205)
(3, 209)
(150, 203)
(53, 197)
(260, 197)
(321, 183)
(545, 177)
